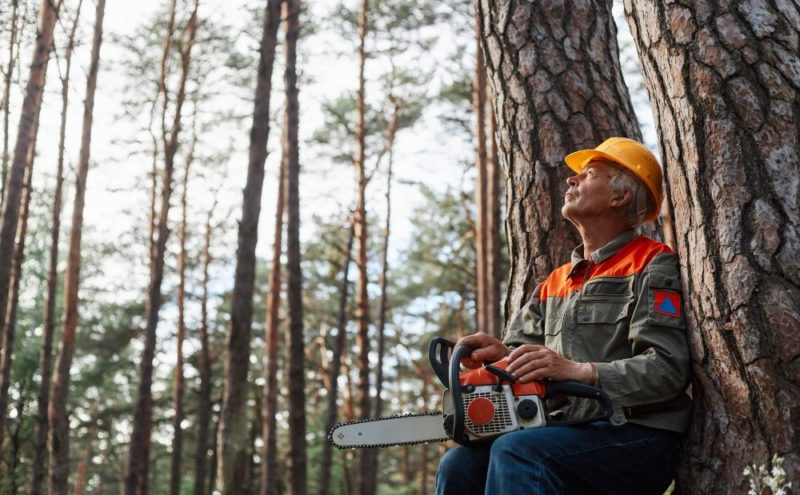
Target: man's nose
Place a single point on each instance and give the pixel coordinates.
(572, 180)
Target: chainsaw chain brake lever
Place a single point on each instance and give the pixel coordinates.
(503, 375)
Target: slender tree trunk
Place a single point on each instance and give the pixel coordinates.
(10, 324)
(212, 482)
(494, 253)
(7, 94)
(81, 476)
(481, 190)
(291, 150)
(334, 368)
(556, 89)
(178, 387)
(57, 413)
(16, 442)
(372, 471)
(724, 83)
(204, 399)
(136, 476)
(270, 470)
(39, 465)
(232, 442)
(26, 135)
(362, 298)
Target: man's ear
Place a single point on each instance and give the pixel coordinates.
(621, 198)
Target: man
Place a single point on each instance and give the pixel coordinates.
(611, 318)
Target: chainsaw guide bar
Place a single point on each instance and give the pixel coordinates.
(402, 429)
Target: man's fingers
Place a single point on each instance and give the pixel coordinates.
(528, 366)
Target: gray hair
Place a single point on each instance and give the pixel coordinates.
(641, 202)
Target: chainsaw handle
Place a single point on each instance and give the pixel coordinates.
(459, 415)
(574, 388)
(439, 351)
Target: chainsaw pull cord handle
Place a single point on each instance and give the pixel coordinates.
(459, 418)
(439, 355)
(577, 389)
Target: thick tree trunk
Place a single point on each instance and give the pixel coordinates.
(557, 88)
(7, 94)
(233, 434)
(204, 399)
(39, 467)
(57, 413)
(136, 476)
(725, 87)
(269, 469)
(294, 296)
(26, 135)
(177, 384)
(334, 367)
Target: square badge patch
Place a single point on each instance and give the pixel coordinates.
(667, 303)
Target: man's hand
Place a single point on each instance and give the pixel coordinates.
(487, 348)
(536, 362)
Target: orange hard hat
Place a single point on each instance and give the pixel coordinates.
(630, 155)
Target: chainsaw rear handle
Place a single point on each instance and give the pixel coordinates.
(573, 388)
(439, 351)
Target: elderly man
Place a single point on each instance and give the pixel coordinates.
(611, 318)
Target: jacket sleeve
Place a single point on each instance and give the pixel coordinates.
(658, 369)
(526, 326)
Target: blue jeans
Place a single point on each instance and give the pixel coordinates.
(594, 458)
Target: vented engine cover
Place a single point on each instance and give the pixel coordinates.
(490, 412)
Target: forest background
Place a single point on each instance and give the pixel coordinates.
(285, 202)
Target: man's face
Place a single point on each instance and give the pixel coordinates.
(590, 194)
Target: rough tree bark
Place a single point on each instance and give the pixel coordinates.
(57, 412)
(26, 135)
(39, 465)
(725, 85)
(334, 367)
(233, 434)
(270, 471)
(136, 475)
(556, 89)
(204, 398)
(294, 292)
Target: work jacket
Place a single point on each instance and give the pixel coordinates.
(622, 311)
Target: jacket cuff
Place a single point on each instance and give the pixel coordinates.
(611, 384)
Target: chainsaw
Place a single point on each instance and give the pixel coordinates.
(477, 406)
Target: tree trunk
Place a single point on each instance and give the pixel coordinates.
(233, 434)
(269, 469)
(724, 84)
(297, 413)
(57, 413)
(481, 192)
(136, 476)
(7, 94)
(39, 465)
(494, 253)
(372, 471)
(204, 399)
(178, 387)
(26, 135)
(334, 367)
(557, 89)
(362, 299)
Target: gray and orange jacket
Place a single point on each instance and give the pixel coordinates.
(621, 310)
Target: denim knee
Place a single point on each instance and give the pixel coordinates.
(449, 465)
(507, 447)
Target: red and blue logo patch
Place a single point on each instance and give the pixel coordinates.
(667, 303)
